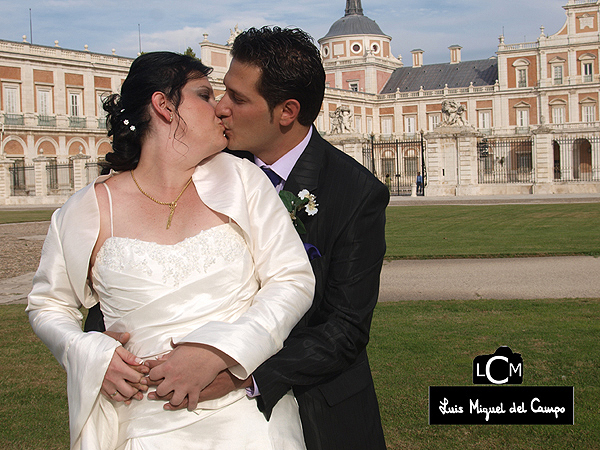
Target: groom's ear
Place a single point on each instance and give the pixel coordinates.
(288, 112)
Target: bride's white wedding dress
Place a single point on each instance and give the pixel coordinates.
(163, 292)
(239, 287)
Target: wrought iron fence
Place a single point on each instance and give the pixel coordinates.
(46, 121)
(60, 178)
(577, 158)
(505, 160)
(22, 179)
(396, 163)
(14, 119)
(77, 122)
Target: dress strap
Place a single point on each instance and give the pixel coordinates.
(110, 208)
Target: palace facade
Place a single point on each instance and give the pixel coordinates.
(524, 121)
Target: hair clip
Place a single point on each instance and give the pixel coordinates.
(126, 122)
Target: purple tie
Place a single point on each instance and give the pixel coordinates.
(275, 179)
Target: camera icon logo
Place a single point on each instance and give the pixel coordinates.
(503, 367)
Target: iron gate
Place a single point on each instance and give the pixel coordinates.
(505, 160)
(397, 163)
(576, 158)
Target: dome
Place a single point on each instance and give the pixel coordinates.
(354, 22)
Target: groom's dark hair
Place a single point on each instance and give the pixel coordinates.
(291, 67)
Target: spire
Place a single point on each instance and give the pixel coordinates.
(353, 7)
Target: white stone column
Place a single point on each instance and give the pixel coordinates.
(5, 165)
(79, 172)
(543, 161)
(41, 176)
(452, 161)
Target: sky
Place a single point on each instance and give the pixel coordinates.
(431, 25)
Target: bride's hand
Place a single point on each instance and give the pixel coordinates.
(122, 381)
(188, 370)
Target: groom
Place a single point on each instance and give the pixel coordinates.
(274, 92)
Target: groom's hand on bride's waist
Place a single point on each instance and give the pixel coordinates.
(223, 384)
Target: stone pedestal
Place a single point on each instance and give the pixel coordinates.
(79, 172)
(543, 161)
(41, 176)
(5, 165)
(451, 161)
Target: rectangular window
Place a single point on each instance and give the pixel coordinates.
(11, 100)
(44, 102)
(522, 78)
(485, 120)
(588, 74)
(75, 104)
(557, 72)
(522, 118)
(354, 86)
(410, 124)
(558, 114)
(434, 121)
(589, 113)
(369, 125)
(358, 124)
(386, 125)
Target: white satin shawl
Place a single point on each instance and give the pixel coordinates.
(231, 186)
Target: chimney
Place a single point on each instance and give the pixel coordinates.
(455, 56)
(417, 57)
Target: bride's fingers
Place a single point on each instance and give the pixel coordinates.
(133, 361)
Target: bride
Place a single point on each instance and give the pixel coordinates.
(188, 249)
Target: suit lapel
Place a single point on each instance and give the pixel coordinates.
(306, 174)
(306, 171)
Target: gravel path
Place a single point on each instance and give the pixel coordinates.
(20, 247)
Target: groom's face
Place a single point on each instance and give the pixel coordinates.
(245, 113)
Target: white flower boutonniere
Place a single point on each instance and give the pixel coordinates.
(311, 206)
(295, 203)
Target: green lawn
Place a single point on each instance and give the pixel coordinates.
(26, 215)
(413, 345)
(452, 231)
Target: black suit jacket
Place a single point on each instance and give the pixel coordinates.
(324, 358)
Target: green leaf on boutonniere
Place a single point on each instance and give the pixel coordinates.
(293, 204)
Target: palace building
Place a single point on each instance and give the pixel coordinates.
(522, 122)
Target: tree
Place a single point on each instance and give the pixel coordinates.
(190, 52)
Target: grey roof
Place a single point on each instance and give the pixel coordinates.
(483, 72)
(354, 24)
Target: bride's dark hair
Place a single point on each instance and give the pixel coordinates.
(127, 117)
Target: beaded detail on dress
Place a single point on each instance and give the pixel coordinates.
(173, 263)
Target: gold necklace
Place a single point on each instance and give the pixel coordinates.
(171, 205)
